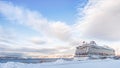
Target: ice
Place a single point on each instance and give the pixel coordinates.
(108, 63)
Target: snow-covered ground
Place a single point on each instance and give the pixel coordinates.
(108, 63)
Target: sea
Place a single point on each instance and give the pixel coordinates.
(32, 60)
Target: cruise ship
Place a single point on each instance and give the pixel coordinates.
(93, 51)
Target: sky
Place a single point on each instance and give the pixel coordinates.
(34, 28)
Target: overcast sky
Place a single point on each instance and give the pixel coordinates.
(55, 27)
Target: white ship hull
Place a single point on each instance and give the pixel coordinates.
(81, 58)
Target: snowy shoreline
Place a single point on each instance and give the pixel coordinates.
(108, 63)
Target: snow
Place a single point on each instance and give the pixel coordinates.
(60, 61)
(108, 63)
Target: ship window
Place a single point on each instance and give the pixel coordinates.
(77, 47)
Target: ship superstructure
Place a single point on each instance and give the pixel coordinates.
(92, 50)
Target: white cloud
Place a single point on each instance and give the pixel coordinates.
(54, 32)
(36, 21)
(38, 41)
(101, 20)
(10, 46)
(61, 30)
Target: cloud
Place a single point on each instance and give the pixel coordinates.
(11, 54)
(38, 41)
(101, 20)
(53, 32)
(61, 30)
(30, 47)
(26, 51)
(7, 36)
(34, 20)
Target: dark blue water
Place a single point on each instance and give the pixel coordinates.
(41, 60)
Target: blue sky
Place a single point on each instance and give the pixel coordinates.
(33, 28)
(63, 10)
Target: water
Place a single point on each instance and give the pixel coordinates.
(40, 60)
